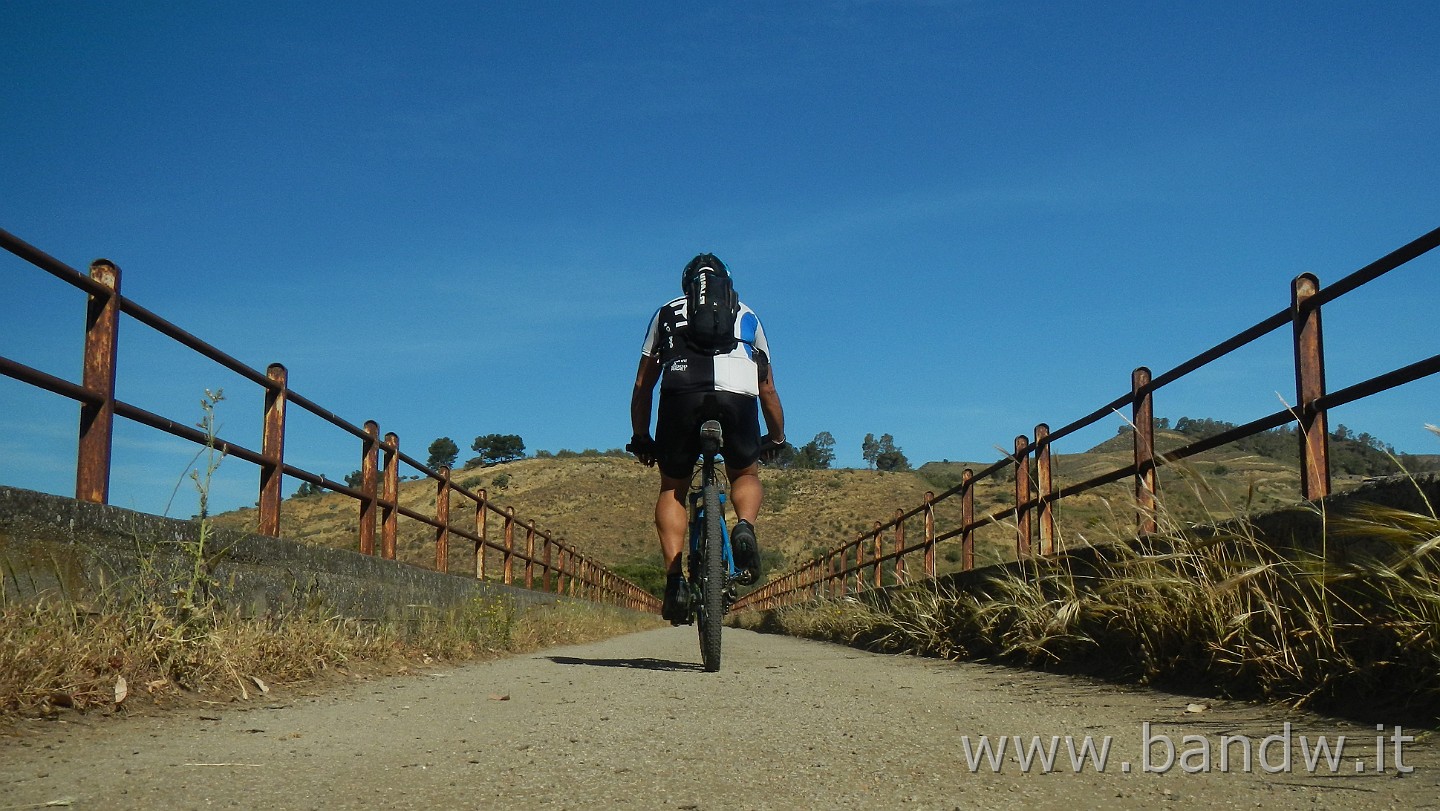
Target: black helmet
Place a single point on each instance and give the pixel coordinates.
(705, 261)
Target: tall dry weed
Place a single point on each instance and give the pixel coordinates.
(1347, 620)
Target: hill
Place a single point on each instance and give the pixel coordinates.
(604, 504)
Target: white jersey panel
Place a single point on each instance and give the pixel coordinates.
(739, 375)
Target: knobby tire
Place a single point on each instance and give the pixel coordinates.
(712, 581)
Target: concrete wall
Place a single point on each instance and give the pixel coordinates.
(51, 545)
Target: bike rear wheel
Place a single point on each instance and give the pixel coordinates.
(712, 580)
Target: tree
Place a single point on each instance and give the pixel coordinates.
(889, 457)
(497, 448)
(817, 454)
(443, 452)
(869, 450)
(354, 479)
(306, 490)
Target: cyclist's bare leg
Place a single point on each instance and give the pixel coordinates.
(745, 491)
(671, 519)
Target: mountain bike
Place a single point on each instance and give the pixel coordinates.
(711, 571)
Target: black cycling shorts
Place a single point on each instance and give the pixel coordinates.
(677, 429)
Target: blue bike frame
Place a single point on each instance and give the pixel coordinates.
(697, 526)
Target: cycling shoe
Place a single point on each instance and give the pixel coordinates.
(676, 607)
(747, 552)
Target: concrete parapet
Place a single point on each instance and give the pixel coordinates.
(60, 547)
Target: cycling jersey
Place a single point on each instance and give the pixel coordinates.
(683, 370)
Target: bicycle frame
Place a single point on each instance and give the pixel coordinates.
(697, 529)
(706, 474)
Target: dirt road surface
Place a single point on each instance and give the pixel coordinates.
(633, 722)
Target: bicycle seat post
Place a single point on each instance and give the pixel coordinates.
(710, 437)
(711, 440)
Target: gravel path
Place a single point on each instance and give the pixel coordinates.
(625, 723)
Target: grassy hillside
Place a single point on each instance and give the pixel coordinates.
(604, 504)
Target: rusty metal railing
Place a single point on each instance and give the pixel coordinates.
(544, 560)
(859, 564)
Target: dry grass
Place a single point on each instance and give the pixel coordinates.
(1346, 624)
(163, 634)
(56, 655)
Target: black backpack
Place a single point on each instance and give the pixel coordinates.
(711, 306)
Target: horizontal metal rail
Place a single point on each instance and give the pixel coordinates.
(843, 568)
(48, 382)
(573, 573)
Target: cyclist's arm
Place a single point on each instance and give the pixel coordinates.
(770, 404)
(642, 397)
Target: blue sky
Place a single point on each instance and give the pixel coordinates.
(956, 219)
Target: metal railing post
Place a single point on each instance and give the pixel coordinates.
(508, 559)
(481, 508)
(1309, 387)
(1044, 485)
(859, 564)
(442, 517)
(272, 447)
(571, 572)
(878, 552)
(390, 512)
(967, 519)
(1022, 495)
(369, 475)
(561, 578)
(930, 571)
(899, 548)
(1146, 481)
(530, 555)
(545, 583)
(97, 420)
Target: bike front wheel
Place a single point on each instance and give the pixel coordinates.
(712, 580)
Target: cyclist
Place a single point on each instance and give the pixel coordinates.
(734, 387)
